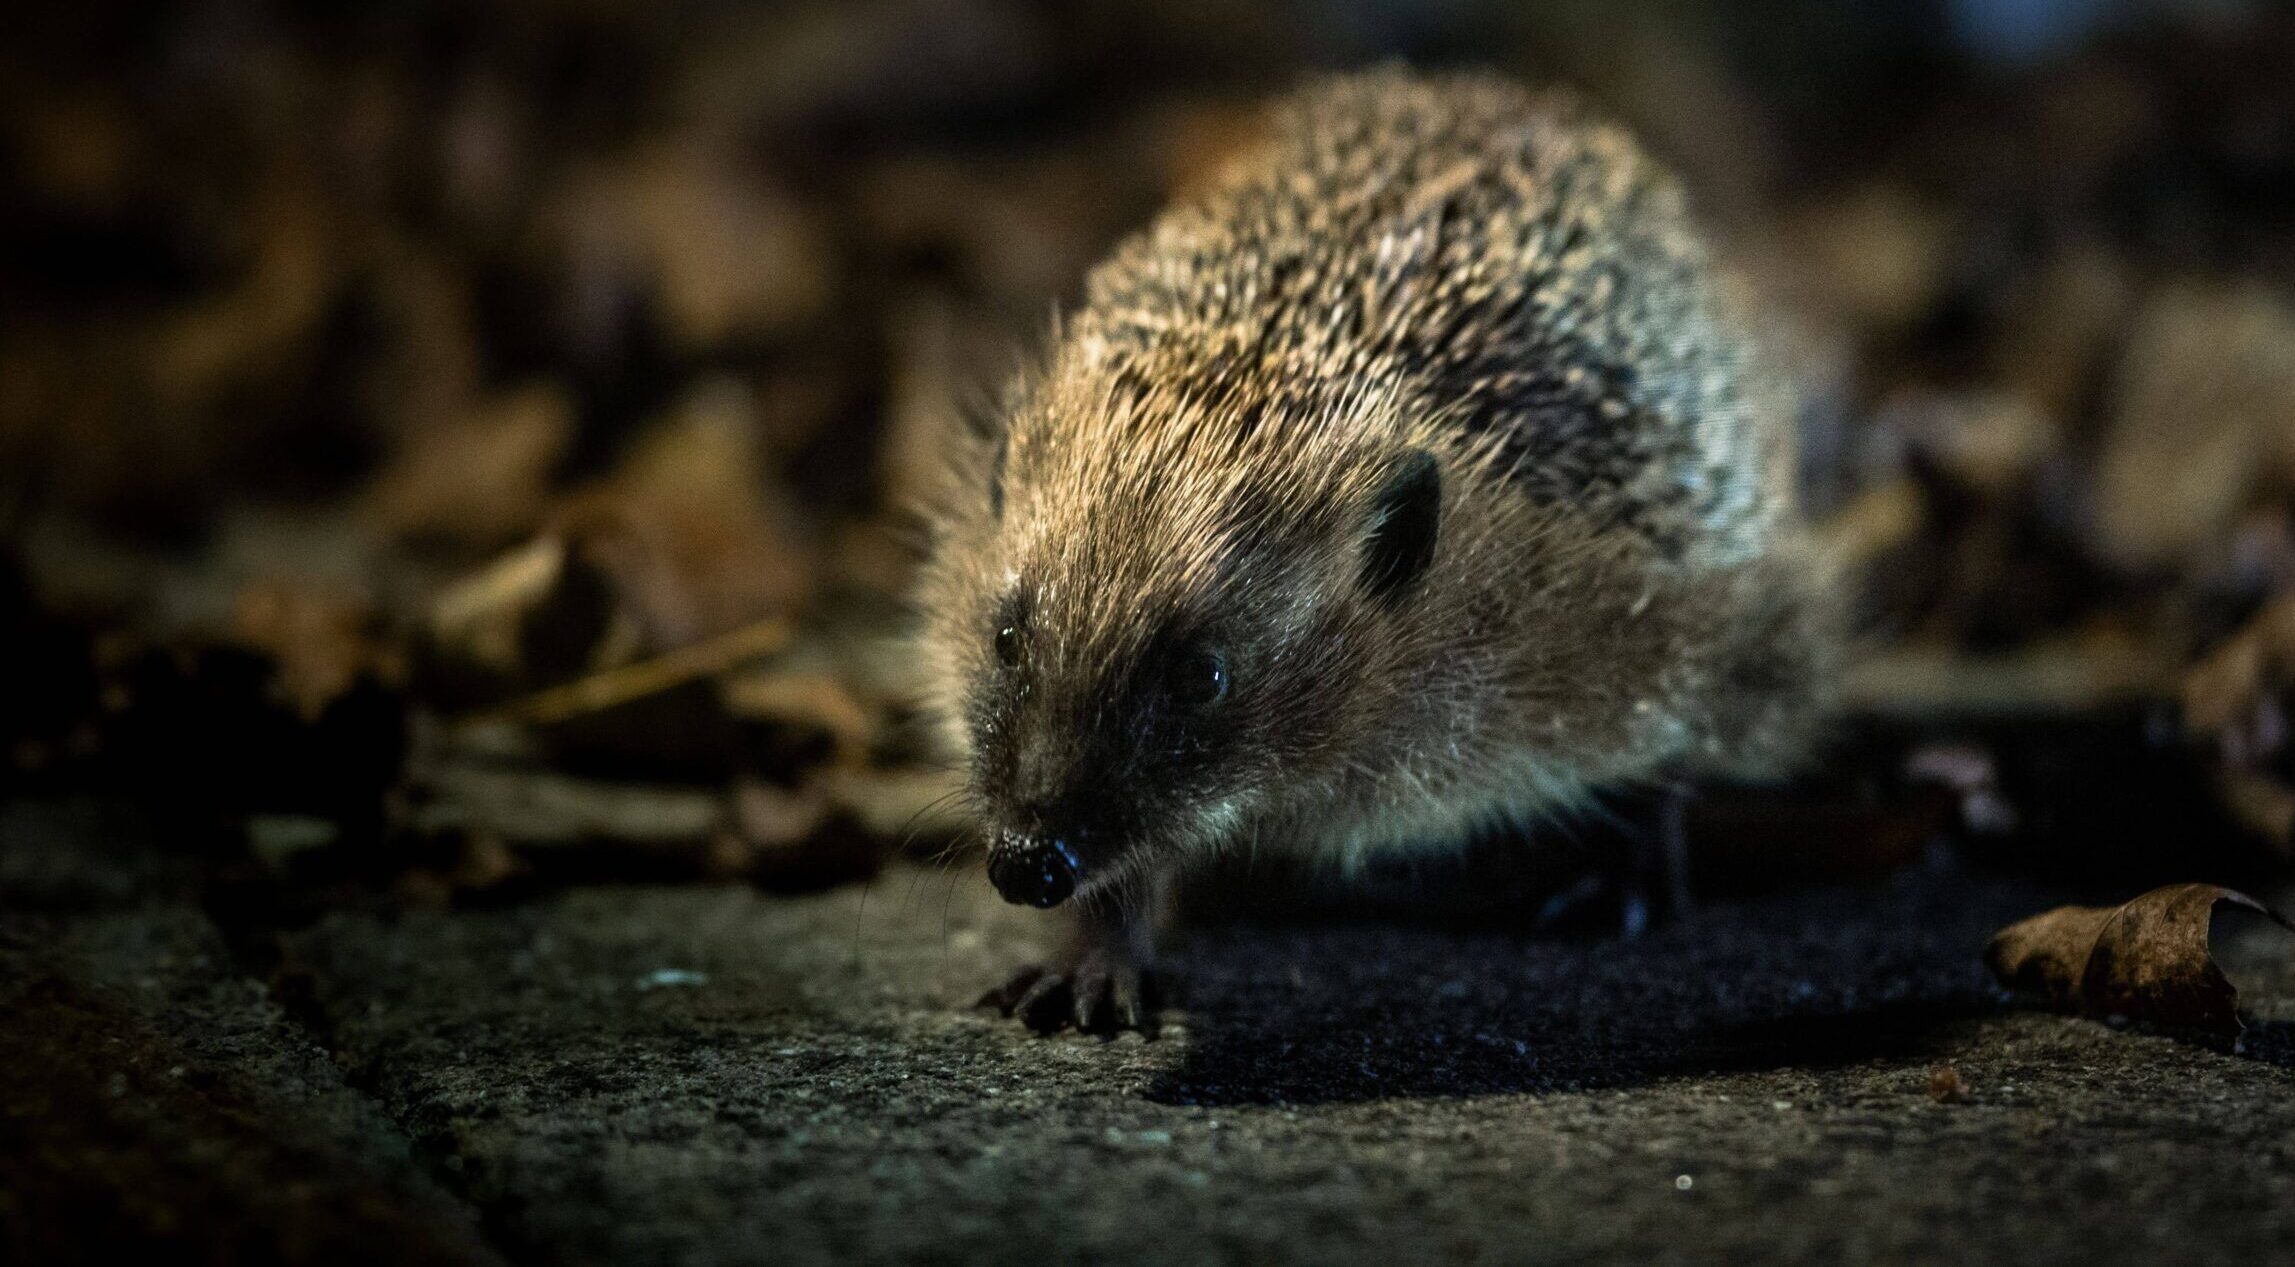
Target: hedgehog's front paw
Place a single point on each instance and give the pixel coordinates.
(1099, 990)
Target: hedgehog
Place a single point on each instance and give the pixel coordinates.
(1417, 475)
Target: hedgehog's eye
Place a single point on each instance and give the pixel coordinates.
(1198, 678)
(1008, 646)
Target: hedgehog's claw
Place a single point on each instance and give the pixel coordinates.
(1102, 992)
(1005, 997)
(1108, 995)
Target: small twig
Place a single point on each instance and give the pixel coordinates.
(2056, 677)
(604, 690)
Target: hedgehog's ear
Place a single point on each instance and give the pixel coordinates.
(1406, 516)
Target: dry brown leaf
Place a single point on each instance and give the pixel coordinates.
(2223, 692)
(324, 642)
(728, 255)
(480, 618)
(2235, 704)
(483, 481)
(2146, 959)
(812, 703)
(2198, 422)
(247, 333)
(687, 544)
(691, 533)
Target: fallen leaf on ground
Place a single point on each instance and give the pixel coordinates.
(483, 481)
(2235, 707)
(686, 543)
(2197, 428)
(2146, 959)
(814, 715)
(1946, 1086)
(323, 642)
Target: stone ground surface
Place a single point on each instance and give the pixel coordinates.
(710, 1074)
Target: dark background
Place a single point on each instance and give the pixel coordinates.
(362, 371)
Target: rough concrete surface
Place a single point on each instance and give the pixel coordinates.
(710, 1074)
(156, 1104)
(1753, 1083)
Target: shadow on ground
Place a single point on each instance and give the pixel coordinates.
(1346, 1013)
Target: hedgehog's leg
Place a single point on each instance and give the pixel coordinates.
(1660, 858)
(1644, 882)
(1100, 983)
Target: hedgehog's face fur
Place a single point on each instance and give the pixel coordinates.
(1152, 628)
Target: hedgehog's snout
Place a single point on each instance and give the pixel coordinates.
(1037, 871)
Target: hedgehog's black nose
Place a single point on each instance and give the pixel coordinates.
(1033, 872)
